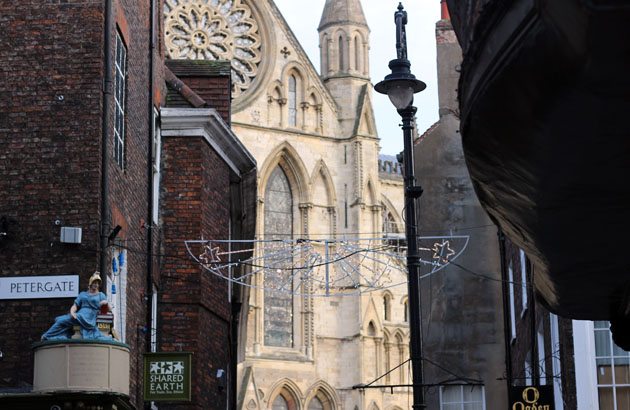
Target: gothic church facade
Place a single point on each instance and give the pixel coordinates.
(314, 138)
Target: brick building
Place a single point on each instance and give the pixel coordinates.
(87, 146)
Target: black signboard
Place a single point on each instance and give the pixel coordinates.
(531, 398)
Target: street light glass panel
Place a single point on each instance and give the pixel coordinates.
(400, 94)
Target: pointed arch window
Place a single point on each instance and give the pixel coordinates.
(315, 404)
(280, 403)
(387, 307)
(357, 54)
(340, 53)
(406, 311)
(278, 224)
(325, 62)
(292, 101)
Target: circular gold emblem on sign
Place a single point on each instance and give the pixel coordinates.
(215, 30)
(531, 395)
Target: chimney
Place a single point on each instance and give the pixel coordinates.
(445, 13)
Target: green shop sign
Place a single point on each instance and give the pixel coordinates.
(167, 376)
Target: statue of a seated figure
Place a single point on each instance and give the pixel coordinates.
(83, 313)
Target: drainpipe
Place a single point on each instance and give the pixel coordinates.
(105, 132)
(150, 178)
(149, 290)
(506, 318)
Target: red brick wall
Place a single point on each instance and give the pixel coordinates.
(50, 162)
(50, 124)
(214, 90)
(194, 313)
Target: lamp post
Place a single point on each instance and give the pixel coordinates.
(400, 86)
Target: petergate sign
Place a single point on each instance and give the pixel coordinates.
(167, 376)
(531, 398)
(39, 287)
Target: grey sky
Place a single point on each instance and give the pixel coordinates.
(303, 17)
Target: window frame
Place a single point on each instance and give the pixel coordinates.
(120, 100)
(292, 105)
(524, 301)
(512, 304)
(462, 402)
(604, 327)
(156, 151)
(294, 320)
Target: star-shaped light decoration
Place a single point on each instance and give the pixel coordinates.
(440, 248)
(210, 254)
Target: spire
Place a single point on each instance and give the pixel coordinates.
(342, 12)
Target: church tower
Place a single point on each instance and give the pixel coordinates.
(344, 47)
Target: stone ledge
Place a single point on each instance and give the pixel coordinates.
(81, 365)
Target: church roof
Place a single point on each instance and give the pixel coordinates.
(342, 12)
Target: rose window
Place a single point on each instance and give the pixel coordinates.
(214, 30)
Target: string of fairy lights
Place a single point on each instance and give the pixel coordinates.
(322, 267)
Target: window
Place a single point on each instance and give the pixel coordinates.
(512, 308)
(154, 318)
(120, 87)
(613, 370)
(292, 101)
(406, 311)
(340, 53)
(389, 223)
(467, 397)
(555, 360)
(315, 404)
(155, 153)
(387, 307)
(542, 361)
(356, 53)
(527, 367)
(325, 63)
(278, 224)
(523, 282)
(280, 403)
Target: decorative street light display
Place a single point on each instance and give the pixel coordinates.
(400, 86)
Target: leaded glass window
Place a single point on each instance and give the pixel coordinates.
(278, 225)
(292, 101)
(215, 30)
(120, 88)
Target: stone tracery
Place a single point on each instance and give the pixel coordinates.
(215, 30)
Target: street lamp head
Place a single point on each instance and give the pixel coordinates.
(400, 85)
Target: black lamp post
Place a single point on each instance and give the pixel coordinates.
(400, 86)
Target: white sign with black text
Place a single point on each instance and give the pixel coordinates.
(39, 287)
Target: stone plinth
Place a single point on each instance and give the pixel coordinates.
(79, 365)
